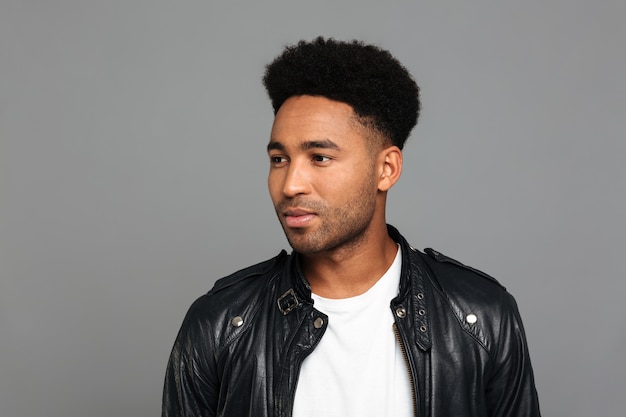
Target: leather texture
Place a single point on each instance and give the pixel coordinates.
(239, 350)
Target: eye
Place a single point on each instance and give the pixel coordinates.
(321, 158)
(277, 159)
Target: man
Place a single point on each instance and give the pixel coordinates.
(354, 322)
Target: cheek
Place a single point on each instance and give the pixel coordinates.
(363, 177)
(347, 188)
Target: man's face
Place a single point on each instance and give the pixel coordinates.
(322, 177)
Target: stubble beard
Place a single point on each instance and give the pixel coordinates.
(339, 227)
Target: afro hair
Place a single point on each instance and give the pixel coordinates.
(368, 78)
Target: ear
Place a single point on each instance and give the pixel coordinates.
(390, 167)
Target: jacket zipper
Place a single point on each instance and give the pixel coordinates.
(408, 368)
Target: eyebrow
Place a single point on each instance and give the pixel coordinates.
(311, 144)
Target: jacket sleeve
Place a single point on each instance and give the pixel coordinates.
(191, 382)
(511, 388)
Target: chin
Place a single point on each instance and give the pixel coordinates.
(301, 245)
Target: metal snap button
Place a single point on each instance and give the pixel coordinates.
(401, 312)
(237, 321)
(318, 323)
(471, 318)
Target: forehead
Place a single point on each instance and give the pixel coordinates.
(314, 118)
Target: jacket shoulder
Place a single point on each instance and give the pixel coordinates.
(465, 287)
(253, 271)
(237, 291)
(479, 302)
(236, 296)
(462, 270)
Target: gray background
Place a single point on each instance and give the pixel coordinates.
(132, 175)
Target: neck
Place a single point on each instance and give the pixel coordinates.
(353, 269)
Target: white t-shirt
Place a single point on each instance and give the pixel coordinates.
(357, 369)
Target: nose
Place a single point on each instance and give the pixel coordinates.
(296, 180)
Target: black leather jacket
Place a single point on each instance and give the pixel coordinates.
(240, 347)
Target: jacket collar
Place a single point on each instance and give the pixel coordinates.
(294, 289)
(413, 295)
(302, 288)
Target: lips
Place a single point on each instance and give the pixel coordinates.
(298, 218)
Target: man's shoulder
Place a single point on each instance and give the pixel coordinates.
(463, 284)
(481, 305)
(239, 288)
(246, 274)
(450, 268)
